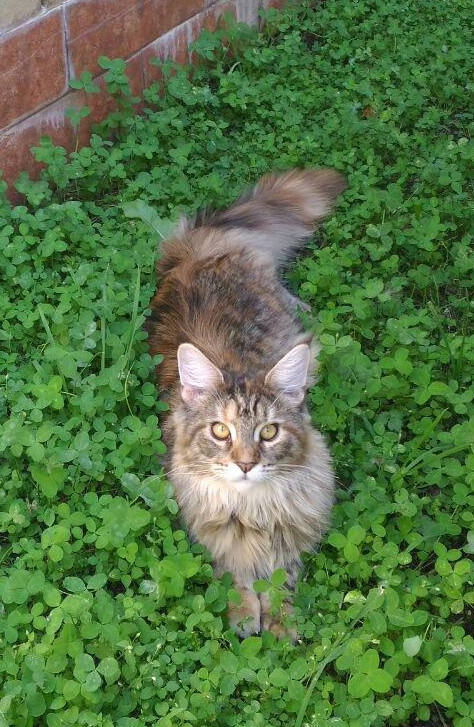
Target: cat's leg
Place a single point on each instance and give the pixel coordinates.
(281, 622)
(244, 617)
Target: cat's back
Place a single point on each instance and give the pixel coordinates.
(218, 282)
(229, 303)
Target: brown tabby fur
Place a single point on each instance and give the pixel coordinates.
(219, 290)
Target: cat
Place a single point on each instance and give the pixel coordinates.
(252, 478)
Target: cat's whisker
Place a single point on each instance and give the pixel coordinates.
(187, 468)
(175, 470)
(297, 466)
(314, 471)
(311, 477)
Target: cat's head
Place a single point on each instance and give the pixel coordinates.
(240, 431)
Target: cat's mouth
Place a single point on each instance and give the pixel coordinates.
(233, 474)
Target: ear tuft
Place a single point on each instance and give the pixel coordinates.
(290, 374)
(197, 374)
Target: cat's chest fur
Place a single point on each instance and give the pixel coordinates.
(248, 533)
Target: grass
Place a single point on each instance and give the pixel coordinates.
(109, 616)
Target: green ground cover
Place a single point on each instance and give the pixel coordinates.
(108, 616)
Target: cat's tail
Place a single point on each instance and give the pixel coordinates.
(279, 214)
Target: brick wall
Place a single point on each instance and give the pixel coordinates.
(44, 44)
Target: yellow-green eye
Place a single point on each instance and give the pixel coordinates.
(268, 432)
(220, 430)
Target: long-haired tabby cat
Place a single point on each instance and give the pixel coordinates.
(252, 477)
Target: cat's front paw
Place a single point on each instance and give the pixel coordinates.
(244, 618)
(278, 629)
(278, 624)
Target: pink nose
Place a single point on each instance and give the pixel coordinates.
(246, 466)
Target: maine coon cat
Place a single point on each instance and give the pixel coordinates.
(253, 479)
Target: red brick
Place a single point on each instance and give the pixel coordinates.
(32, 67)
(210, 20)
(163, 15)
(16, 142)
(173, 45)
(101, 104)
(119, 28)
(276, 4)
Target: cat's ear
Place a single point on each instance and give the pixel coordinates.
(290, 374)
(196, 373)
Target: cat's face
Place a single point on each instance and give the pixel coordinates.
(243, 434)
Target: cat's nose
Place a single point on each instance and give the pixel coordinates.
(246, 466)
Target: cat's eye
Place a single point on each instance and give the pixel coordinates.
(268, 432)
(220, 430)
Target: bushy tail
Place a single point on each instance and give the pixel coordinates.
(279, 214)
